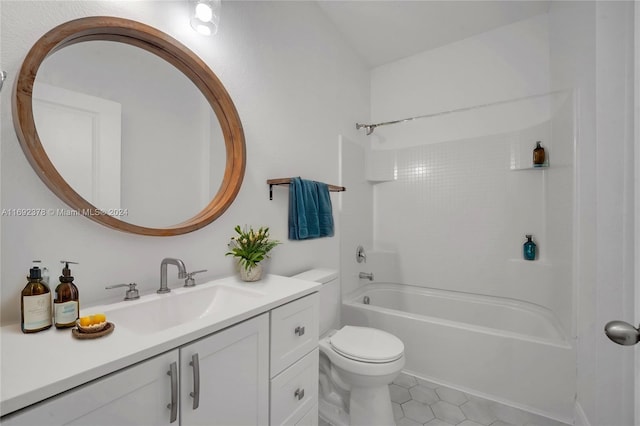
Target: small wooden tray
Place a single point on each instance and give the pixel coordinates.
(105, 331)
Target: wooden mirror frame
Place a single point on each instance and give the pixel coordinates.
(162, 45)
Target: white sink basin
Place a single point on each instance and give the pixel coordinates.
(157, 312)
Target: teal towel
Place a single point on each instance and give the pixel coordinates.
(310, 211)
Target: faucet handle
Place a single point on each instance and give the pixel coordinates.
(190, 281)
(131, 294)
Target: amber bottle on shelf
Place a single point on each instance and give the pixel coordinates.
(66, 305)
(35, 304)
(539, 155)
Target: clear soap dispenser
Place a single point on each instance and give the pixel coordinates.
(66, 305)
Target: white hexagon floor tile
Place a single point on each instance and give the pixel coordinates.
(405, 380)
(423, 394)
(451, 395)
(399, 394)
(397, 411)
(417, 411)
(469, 423)
(419, 402)
(448, 412)
(405, 421)
(479, 411)
(437, 422)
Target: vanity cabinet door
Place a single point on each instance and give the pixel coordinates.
(225, 377)
(137, 395)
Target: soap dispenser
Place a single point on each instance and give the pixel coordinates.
(539, 155)
(529, 249)
(66, 305)
(35, 303)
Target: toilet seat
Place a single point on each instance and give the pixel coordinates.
(366, 344)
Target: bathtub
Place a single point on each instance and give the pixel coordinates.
(510, 351)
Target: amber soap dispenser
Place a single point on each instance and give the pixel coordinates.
(35, 303)
(539, 156)
(66, 305)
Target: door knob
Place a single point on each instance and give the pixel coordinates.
(622, 333)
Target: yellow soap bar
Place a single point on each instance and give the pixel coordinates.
(98, 318)
(92, 320)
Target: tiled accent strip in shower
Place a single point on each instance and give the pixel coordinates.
(417, 402)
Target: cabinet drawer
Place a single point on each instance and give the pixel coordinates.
(294, 331)
(295, 391)
(310, 418)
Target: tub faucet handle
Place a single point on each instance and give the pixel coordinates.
(366, 275)
(361, 256)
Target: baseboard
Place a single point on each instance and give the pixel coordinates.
(580, 416)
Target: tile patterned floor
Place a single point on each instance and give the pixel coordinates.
(417, 402)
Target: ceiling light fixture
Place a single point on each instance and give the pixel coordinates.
(206, 16)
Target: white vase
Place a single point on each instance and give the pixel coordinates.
(251, 274)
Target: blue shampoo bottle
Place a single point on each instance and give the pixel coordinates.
(529, 249)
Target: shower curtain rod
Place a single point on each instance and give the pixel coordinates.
(371, 127)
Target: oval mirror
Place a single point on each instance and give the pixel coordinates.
(129, 127)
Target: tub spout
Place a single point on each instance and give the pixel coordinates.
(366, 275)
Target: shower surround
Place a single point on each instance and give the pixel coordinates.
(454, 197)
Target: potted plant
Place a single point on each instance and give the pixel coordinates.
(250, 248)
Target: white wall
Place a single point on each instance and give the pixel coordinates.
(356, 213)
(296, 87)
(503, 64)
(592, 51)
(572, 41)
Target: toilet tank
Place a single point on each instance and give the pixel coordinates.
(329, 296)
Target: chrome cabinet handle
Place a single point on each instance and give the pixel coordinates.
(299, 394)
(299, 331)
(195, 363)
(173, 372)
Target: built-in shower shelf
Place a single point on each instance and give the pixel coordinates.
(532, 167)
(538, 262)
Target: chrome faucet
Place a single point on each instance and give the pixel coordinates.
(366, 275)
(182, 272)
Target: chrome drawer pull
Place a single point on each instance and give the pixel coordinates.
(299, 394)
(195, 363)
(299, 331)
(173, 372)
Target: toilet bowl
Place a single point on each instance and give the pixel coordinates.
(357, 364)
(364, 361)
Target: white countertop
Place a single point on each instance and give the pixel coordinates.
(40, 365)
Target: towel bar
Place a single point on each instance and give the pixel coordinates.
(287, 181)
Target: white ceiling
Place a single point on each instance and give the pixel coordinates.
(385, 31)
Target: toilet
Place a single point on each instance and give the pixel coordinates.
(357, 364)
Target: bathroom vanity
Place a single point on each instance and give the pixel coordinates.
(248, 355)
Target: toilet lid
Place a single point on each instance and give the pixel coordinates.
(367, 344)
